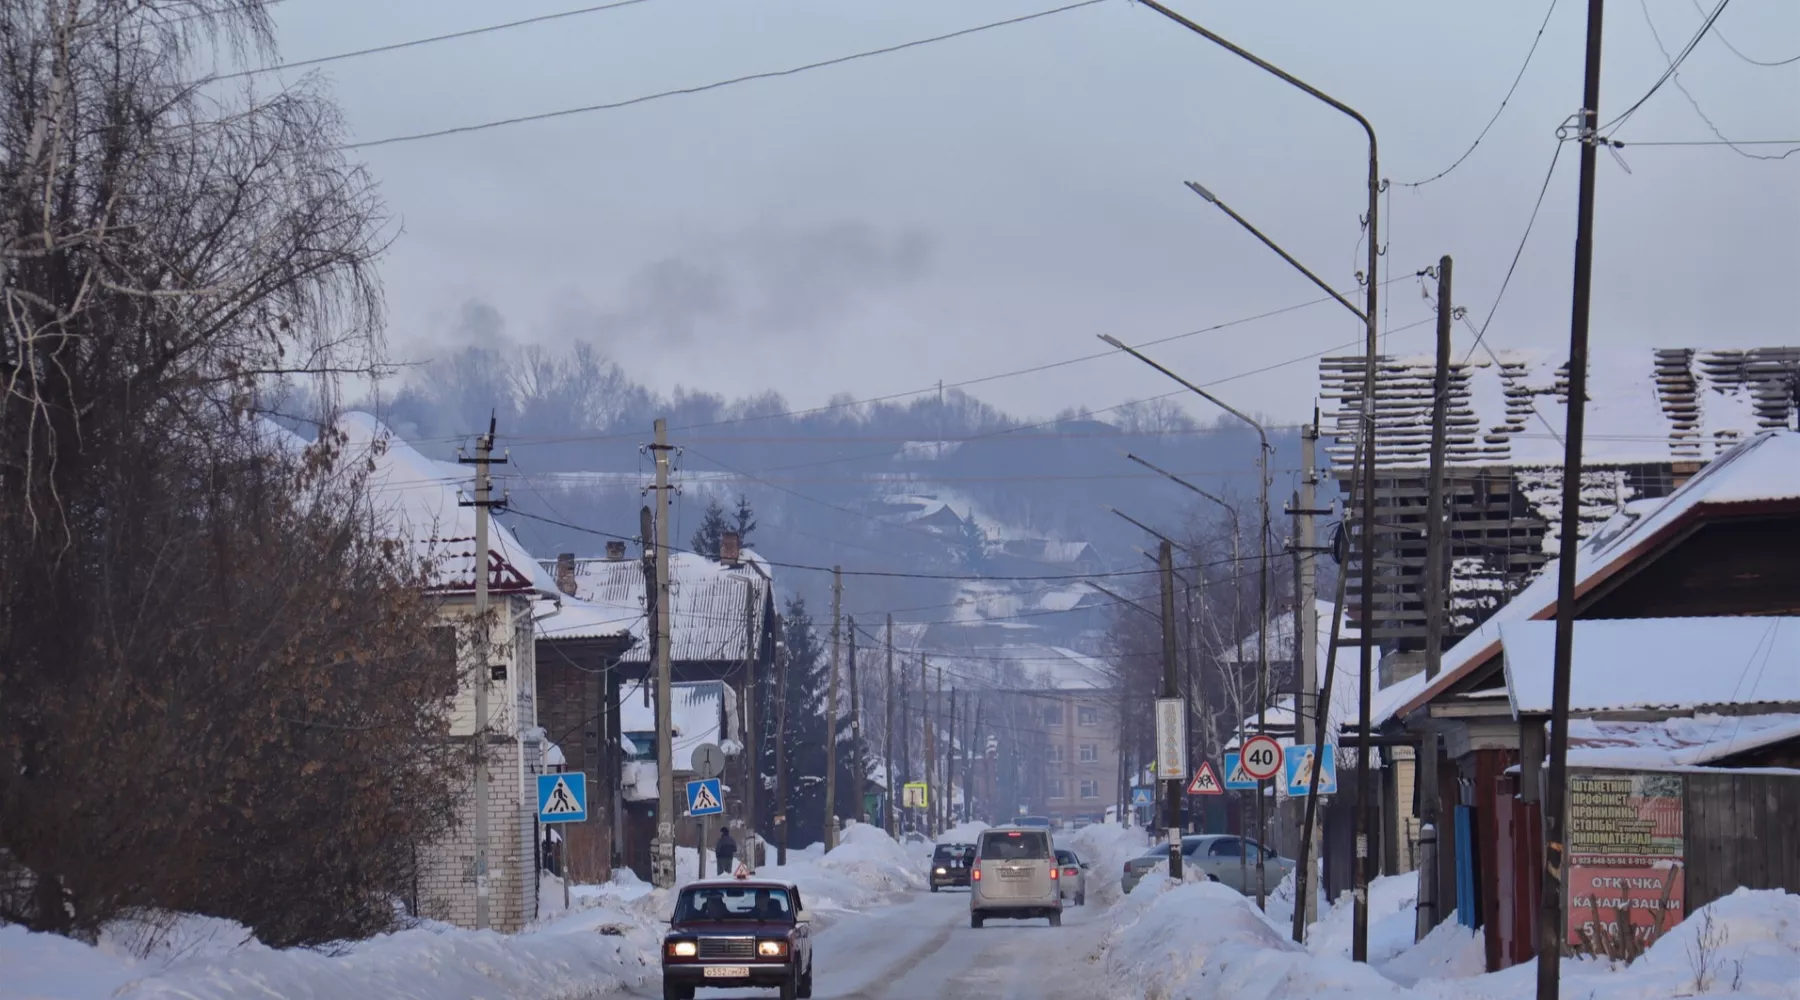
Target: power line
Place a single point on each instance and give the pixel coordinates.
(717, 84)
(427, 41)
(1505, 282)
(1694, 102)
(1734, 49)
(1674, 64)
(1711, 142)
(1497, 111)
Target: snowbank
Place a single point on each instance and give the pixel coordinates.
(1105, 847)
(962, 833)
(428, 962)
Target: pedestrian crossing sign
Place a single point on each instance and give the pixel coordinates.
(1236, 778)
(1141, 797)
(705, 798)
(1205, 781)
(562, 797)
(1299, 761)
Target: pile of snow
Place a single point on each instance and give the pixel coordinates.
(963, 833)
(207, 959)
(1105, 847)
(1393, 919)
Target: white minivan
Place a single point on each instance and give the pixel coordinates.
(1015, 877)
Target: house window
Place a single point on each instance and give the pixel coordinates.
(1053, 715)
(1090, 788)
(1087, 715)
(1089, 753)
(1056, 753)
(1057, 790)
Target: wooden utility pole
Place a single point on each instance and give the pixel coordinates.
(831, 712)
(1552, 901)
(1437, 606)
(887, 738)
(950, 767)
(905, 743)
(1171, 688)
(942, 810)
(663, 863)
(483, 461)
(751, 732)
(781, 713)
(856, 747)
(982, 770)
(931, 791)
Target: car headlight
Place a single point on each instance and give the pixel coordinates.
(684, 949)
(940, 871)
(771, 949)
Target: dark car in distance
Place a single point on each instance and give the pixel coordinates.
(738, 932)
(950, 864)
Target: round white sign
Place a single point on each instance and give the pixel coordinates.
(1261, 757)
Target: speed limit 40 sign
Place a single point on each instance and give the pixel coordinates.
(1261, 757)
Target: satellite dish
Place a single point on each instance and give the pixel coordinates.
(1340, 544)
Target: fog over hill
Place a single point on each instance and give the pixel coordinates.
(936, 483)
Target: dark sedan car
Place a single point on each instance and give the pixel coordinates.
(950, 864)
(735, 933)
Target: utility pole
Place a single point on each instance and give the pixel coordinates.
(1550, 922)
(950, 768)
(905, 743)
(484, 672)
(887, 737)
(942, 810)
(781, 776)
(751, 730)
(1307, 570)
(980, 771)
(856, 749)
(930, 753)
(1171, 688)
(831, 710)
(1437, 606)
(663, 863)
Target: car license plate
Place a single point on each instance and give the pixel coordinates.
(1015, 873)
(727, 972)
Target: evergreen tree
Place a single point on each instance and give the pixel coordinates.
(746, 520)
(971, 544)
(808, 688)
(711, 532)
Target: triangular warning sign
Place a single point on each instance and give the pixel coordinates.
(743, 871)
(704, 799)
(560, 801)
(1205, 781)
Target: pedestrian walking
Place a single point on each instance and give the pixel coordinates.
(726, 851)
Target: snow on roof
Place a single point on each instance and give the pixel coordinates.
(419, 500)
(1281, 631)
(1042, 667)
(1510, 408)
(580, 619)
(1763, 469)
(1672, 743)
(707, 622)
(1662, 663)
(1346, 681)
(926, 451)
(694, 710)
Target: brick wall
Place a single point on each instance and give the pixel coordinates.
(447, 869)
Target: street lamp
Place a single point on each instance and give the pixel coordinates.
(1359, 946)
(1262, 611)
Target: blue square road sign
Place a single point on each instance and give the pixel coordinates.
(1236, 778)
(705, 797)
(562, 797)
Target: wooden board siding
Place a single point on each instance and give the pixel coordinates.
(1742, 830)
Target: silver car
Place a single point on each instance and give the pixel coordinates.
(1016, 876)
(1074, 876)
(1232, 860)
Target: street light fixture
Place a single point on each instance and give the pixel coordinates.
(1359, 939)
(1262, 610)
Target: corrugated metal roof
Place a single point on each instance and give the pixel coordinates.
(707, 621)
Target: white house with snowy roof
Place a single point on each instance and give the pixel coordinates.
(421, 501)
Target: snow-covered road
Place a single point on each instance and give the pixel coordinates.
(924, 949)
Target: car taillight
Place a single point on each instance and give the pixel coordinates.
(1069, 872)
(1055, 872)
(975, 873)
(1128, 868)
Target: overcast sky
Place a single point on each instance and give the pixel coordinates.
(995, 201)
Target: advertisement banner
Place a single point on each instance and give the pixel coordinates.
(1171, 739)
(1626, 851)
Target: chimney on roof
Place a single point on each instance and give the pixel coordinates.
(565, 572)
(615, 551)
(730, 549)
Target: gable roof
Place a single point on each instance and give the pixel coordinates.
(1762, 470)
(1656, 663)
(707, 620)
(419, 500)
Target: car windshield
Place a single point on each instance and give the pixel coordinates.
(729, 902)
(1014, 845)
(950, 852)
